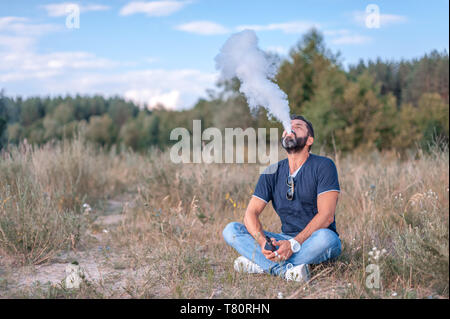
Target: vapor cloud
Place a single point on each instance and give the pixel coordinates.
(241, 57)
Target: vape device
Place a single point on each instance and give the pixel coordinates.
(269, 245)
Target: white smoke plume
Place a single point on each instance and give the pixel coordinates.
(240, 57)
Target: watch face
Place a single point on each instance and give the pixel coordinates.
(295, 246)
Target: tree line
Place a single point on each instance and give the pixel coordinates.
(374, 104)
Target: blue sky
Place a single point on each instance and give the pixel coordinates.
(163, 51)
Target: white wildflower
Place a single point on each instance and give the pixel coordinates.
(280, 295)
(87, 208)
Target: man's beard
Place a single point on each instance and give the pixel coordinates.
(294, 145)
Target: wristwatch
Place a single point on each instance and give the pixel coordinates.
(295, 245)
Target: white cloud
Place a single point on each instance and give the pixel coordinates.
(351, 39)
(203, 28)
(337, 32)
(6, 22)
(277, 49)
(17, 49)
(176, 89)
(22, 62)
(24, 26)
(211, 28)
(61, 9)
(153, 8)
(385, 19)
(286, 27)
(345, 36)
(15, 43)
(151, 98)
(28, 65)
(150, 60)
(26, 72)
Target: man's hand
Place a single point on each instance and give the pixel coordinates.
(283, 253)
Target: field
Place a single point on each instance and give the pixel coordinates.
(153, 229)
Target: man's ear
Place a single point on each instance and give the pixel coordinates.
(310, 140)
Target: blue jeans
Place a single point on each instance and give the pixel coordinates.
(324, 244)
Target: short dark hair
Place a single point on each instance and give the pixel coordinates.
(308, 125)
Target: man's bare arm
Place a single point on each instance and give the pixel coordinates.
(326, 206)
(251, 219)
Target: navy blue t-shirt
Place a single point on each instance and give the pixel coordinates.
(317, 175)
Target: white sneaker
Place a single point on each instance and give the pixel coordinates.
(242, 264)
(298, 273)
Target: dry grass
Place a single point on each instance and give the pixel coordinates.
(42, 191)
(170, 243)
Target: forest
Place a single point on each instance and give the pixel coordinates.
(379, 104)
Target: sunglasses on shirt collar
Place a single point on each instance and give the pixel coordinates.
(290, 191)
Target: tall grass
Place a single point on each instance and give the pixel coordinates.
(171, 241)
(388, 203)
(42, 190)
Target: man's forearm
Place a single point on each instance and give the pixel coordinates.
(254, 227)
(319, 221)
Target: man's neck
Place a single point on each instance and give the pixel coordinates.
(297, 159)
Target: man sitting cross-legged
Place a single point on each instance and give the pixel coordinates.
(304, 190)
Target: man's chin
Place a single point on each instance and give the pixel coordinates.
(293, 146)
(295, 149)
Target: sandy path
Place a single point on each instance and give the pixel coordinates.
(101, 264)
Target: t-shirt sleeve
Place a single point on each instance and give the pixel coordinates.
(263, 188)
(327, 178)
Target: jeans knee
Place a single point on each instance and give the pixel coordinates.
(230, 231)
(327, 238)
